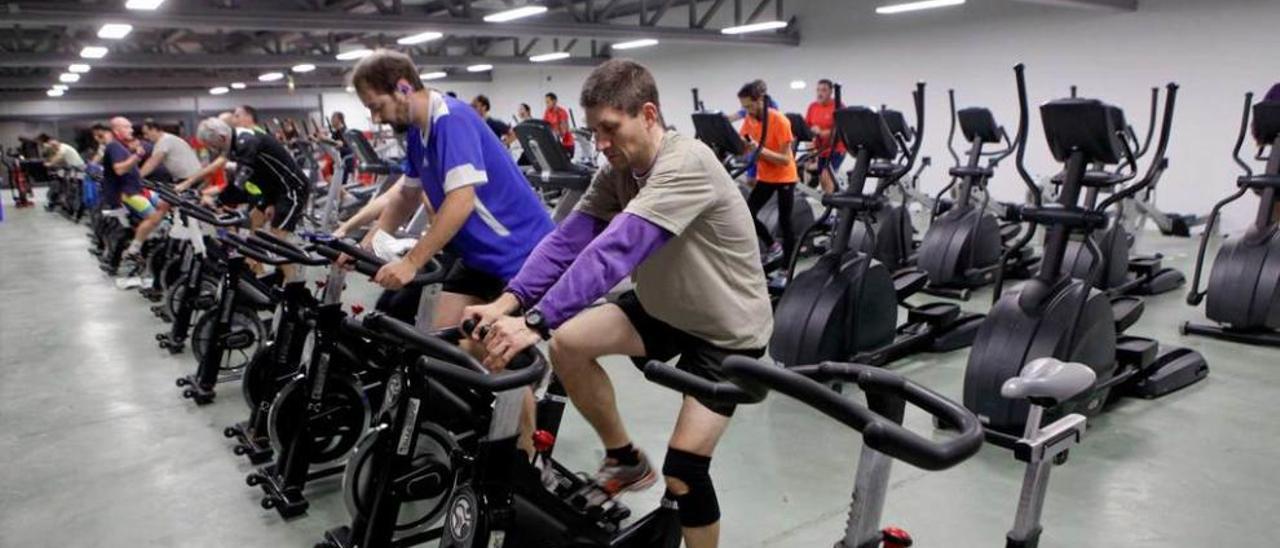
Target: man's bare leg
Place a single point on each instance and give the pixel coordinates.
(698, 430)
(575, 348)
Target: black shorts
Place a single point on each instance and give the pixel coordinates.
(465, 280)
(289, 204)
(663, 342)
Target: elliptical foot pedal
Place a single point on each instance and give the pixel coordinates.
(1136, 352)
(908, 282)
(1173, 369)
(1127, 310)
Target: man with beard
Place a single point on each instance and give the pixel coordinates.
(486, 214)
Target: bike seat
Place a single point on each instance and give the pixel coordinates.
(1049, 381)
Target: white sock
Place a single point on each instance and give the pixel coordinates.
(134, 247)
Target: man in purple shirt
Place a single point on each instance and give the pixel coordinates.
(665, 212)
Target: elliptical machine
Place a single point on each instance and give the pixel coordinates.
(1056, 314)
(846, 305)
(962, 248)
(1244, 285)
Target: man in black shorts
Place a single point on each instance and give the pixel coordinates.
(264, 170)
(667, 214)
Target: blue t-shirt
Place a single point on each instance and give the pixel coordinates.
(113, 185)
(509, 219)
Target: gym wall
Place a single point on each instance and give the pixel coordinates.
(1217, 50)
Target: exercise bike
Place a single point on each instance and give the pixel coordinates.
(445, 444)
(1243, 295)
(962, 248)
(1056, 314)
(846, 305)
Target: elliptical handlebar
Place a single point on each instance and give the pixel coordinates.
(1145, 147)
(879, 432)
(1037, 196)
(918, 97)
(951, 135)
(1244, 130)
(1166, 129)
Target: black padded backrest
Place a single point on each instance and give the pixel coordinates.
(863, 128)
(536, 136)
(36, 171)
(1087, 125)
(799, 129)
(978, 123)
(897, 123)
(1266, 121)
(714, 129)
(363, 149)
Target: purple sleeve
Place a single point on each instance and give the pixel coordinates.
(628, 241)
(553, 255)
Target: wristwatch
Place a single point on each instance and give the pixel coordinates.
(534, 320)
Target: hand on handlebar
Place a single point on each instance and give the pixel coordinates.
(504, 339)
(484, 316)
(397, 274)
(347, 262)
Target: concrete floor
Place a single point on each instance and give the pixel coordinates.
(98, 449)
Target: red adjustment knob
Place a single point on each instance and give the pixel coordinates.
(896, 538)
(319, 284)
(543, 441)
(357, 309)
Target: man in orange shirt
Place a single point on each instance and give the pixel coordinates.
(558, 117)
(821, 118)
(775, 169)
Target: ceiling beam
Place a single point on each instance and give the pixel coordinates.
(304, 21)
(229, 61)
(201, 83)
(1108, 5)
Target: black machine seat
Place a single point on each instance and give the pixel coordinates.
(714, 129)
(1096, 178)
(977, 172)
(1266, 121)
(367, 159)
(552, 167)
(799, 129)
(864, 129)
(978, 123)
(1086, 125)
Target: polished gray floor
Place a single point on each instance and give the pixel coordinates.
(98, 449)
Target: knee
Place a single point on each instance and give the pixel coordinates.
(688, 480)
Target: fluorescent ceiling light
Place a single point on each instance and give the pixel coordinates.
(79, 68)
(218, 90)
(641, 43)
(917, 6)
(351, 89)
(305, 67)
(353, 54)
(479, 68)
(271, 77)
(55, 92)
(237, 85)
(433, 75)
(114, 31)
(554, 56)
(798, 84)
(143, 4)
(755, 27)
(419, 38)
(69, 78)
(93, 52)
(512, 15)
(62, 87)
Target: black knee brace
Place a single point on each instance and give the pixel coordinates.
(699, 506)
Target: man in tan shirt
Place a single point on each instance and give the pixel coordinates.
(665, 212)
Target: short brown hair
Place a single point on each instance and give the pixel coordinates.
(754, 90)
(622, 84)
(379, 71)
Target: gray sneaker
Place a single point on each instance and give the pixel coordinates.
(615, 478)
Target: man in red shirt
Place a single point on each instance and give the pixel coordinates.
(821, 120)
(558, 117)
